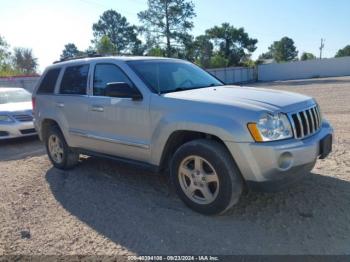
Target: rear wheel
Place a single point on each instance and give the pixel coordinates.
(60, 154)
(205, 177)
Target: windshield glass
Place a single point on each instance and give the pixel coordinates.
(166, 76)
(14, 96)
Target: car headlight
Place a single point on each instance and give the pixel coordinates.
(271, 127)
(5, 119)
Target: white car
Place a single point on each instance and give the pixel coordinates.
(16, 114)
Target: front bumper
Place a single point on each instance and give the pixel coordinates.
(17, 129)
(274, 165)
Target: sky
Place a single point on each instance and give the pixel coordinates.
(46, 26)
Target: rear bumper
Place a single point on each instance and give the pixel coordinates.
(275, 165)
(17, 129)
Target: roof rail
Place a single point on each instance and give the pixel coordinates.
(78, 57)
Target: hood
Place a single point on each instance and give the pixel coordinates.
(16, 107)
(248, 97)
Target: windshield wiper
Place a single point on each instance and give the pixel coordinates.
(179, 89)
(211, 85)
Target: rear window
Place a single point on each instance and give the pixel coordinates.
(48, 83)
(74, 81)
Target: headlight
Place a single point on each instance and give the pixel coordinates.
(271, 127)
(5, 118)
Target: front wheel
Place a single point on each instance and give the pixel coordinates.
(205, 177)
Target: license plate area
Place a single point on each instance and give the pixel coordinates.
(326, 146)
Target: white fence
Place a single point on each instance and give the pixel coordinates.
(230, 75)
(233, 75)
(24, 82)
(305, 69)
(270, 72)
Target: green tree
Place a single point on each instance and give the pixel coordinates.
(284, 50)
(250, 63)
(188, 49)
(91, 50)
(122, 35)
(167, 22)
(105, 46)
(24, 60)
(70, 51)
(343, 52)
(307, 56)
(203, 51)
(156, 51)
(233, 43)
(218, 61)
(267, 55)
(138, 48)
(4, 53)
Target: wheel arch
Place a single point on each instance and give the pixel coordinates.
(198, 125)
(180, 137)
(45, 125)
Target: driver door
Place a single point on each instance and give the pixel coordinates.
(118, 126)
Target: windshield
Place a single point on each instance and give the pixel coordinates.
(14, 96)
(164, 76)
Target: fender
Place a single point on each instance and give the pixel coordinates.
(225, 128)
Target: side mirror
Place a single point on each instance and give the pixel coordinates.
(122, 90)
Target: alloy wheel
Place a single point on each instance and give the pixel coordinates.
(198, 179)
(56, 149)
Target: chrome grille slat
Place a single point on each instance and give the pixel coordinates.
(316, 117)
(319, 116)
(293, 126)
(313, 119)
(308, 114)
(301, 124)
(23, 118)
(306, 122)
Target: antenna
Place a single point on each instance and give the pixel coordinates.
(321, 47)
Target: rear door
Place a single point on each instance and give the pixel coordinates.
(71, 102)
(44, 98)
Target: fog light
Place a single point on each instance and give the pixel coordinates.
(285, 161)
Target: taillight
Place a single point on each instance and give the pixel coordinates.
(33, 102)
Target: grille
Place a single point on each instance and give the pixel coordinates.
(4, 133)
(27, 131)
(307, 122)
(23, 118)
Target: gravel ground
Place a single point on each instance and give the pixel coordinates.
(106, 208)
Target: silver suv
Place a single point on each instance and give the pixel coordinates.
(170, 115)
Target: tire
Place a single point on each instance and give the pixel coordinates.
(222, 183)
(60, 154)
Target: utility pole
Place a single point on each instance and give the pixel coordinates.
(321, 47)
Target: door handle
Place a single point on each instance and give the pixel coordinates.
(60, 105)
(97, 108)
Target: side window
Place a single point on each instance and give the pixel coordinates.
(107, 73)
(47, 85)
(74, 81)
